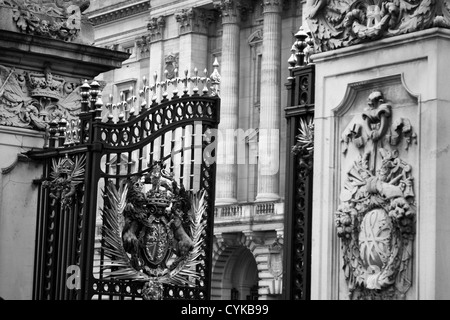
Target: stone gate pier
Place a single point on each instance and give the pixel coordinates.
(381, 164)
(47, 52)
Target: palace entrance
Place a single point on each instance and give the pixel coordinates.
(126, 200)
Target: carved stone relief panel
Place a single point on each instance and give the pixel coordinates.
(376, 212)
(171, 65)
(30, 99)
(61, 19)
(341, 23)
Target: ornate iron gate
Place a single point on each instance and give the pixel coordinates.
(299, 165)
(93, 165)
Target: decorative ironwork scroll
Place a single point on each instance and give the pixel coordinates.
(304, 148)
(66, 175)
(376, 216)
(341, 23)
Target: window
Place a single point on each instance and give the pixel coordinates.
(123, 91)
(124, 95)
(255, 43)
(258, 80)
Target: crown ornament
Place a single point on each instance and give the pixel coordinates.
(46, 85)
(161, 181)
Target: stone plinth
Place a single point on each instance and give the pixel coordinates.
(400, 84)
(18, 201)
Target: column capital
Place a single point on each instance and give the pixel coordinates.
(232, 11)
(272, 6)
(194, 20)
(143, 43)
(156, 27)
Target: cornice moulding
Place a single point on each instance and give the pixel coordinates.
(119, 13)
(66, 57)
(382, 43)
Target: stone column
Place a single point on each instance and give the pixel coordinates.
(156, 28)
(193, 30)
(226, 184)
(269, 127)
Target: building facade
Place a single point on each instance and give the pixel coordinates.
(249, 40)
(368, 174)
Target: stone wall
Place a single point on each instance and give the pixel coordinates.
(18, 201)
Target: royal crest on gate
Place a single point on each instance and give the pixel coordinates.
(152, 229)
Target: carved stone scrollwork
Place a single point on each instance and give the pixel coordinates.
(341, 23)
(376, 216)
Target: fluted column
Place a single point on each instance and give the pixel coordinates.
(226, 183)
(269, 127)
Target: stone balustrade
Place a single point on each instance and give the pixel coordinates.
(247, 210)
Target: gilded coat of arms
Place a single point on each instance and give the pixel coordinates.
(152, 229)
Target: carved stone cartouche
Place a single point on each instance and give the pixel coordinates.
(34, 99)
(376, 216)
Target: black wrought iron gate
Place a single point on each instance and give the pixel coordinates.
(86, 155)
(299, 172)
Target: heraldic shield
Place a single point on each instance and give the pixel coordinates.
(155, 242)
(153, 231)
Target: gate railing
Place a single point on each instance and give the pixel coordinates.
(299, 164)
(81, 157)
